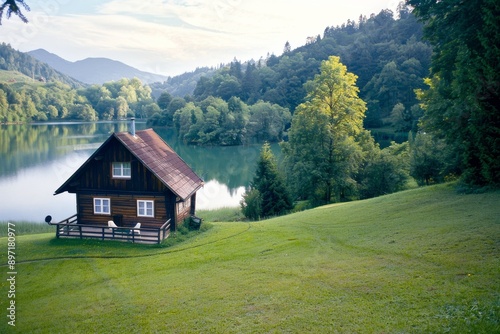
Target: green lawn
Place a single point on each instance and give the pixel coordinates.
(421, 261)
(24, 227)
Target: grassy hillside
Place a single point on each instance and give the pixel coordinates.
(16, 79)
(420, 261)
(14, 60)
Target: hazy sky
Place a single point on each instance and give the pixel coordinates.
(174, 36)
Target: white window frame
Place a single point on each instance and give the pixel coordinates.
(121, 168)
(145, 208)
(100, 206)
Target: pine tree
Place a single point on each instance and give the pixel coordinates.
(269, 194)
(287, 48)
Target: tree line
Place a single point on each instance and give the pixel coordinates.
(213, 121)
(29, 101)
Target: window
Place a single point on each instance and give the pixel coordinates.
(102, 206)
(145, 208)
(121, 170)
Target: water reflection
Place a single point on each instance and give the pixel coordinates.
(27, 145)
(232, 166)
(28, 194)
(36, 159)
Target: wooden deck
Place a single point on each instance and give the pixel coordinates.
(69, 228)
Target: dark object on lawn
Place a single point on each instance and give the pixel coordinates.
(195, 222)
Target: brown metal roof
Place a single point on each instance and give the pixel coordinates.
(162, 161)
(157, 156)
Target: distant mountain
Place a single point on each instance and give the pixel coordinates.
(14, 60)
(95, 70)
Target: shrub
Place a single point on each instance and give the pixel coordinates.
(251, 205)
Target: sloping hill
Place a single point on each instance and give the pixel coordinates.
(95, 70)
(13, 60)
(13, 77)
(420, 261)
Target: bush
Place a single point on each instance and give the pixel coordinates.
(251, 205)
(183, 233)
(231, 214)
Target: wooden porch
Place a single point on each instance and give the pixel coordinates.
(70, 228)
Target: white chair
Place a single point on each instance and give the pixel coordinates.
(111, 224)
(136, 229)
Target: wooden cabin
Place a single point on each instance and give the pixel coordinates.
(133, 178)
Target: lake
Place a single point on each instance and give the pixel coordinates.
(37, 158)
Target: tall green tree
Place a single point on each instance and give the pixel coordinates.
(463, 101)
(186, 121)
(268, 121)
(322, 153)
(268, 195)
(251, 204)
(385, 171)
(164, 100)
(4, 106)
(431, 161)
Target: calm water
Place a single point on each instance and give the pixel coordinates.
(36, 159)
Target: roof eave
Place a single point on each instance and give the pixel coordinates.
(63, 187)
(193, 192)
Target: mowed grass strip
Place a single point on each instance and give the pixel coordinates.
(425, 260)
(24, 227)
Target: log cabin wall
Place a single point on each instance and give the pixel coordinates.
(125, 205)
(183, 210)
(171, 211)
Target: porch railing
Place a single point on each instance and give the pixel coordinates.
(69, 228)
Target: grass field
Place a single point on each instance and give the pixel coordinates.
(16, 79)
(420, 261)
(24, 227)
